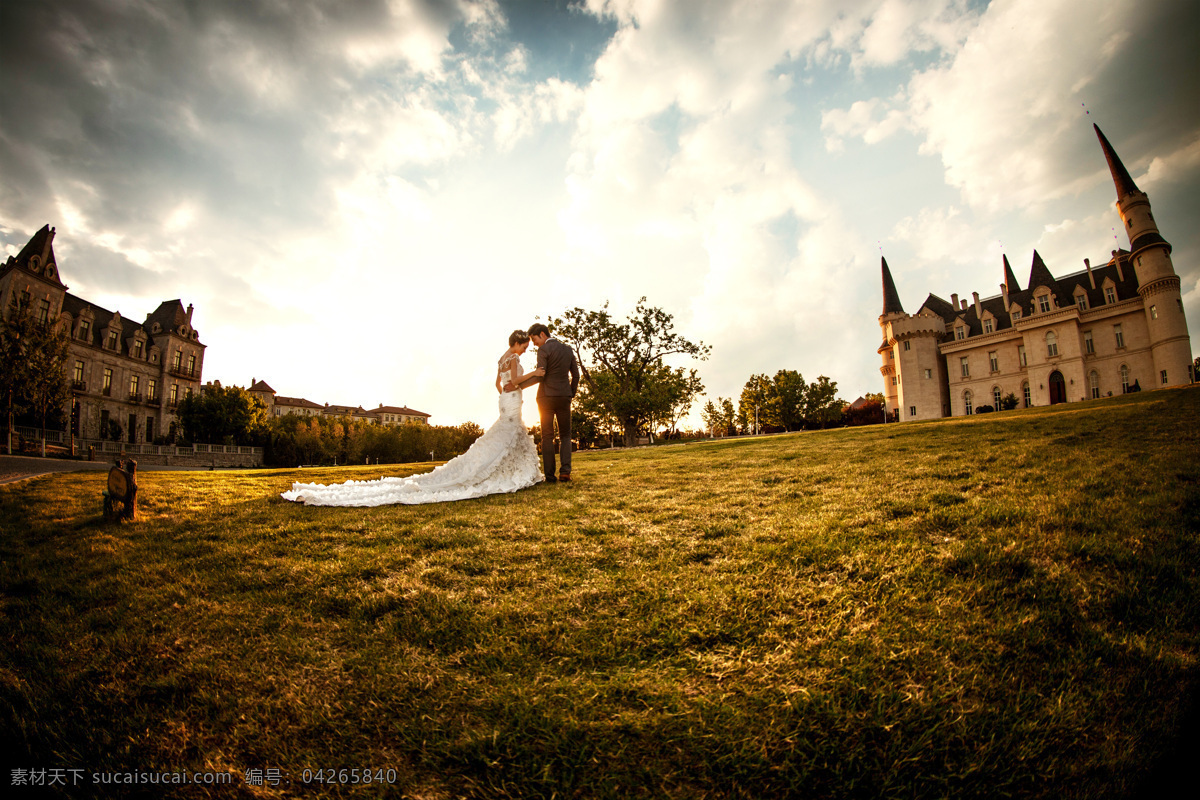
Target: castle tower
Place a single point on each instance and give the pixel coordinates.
(1157, 282)
(914, 376)
(892, 311)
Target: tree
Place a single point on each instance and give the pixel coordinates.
(728, 415)
(1008, 402)
(223, 415)
(821, 406)
(756, 404)
(14, 366)
(46, 380)
(789, 397)
(671, 394)
(621, 363)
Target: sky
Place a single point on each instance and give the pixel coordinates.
(363, 198)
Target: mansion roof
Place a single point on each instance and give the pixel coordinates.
(405, 410)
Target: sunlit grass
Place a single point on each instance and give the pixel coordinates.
(1002, 605)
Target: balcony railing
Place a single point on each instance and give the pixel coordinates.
(152, 400)
(135, 397)
(79, 386)
(106, 391)
(184, 372)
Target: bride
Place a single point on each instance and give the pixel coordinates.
(502, 460)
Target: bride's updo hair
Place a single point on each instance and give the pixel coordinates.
(517, 337)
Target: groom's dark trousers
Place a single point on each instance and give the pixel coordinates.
(555, 410)
(554, 395)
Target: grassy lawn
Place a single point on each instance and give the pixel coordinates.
(1007, 605)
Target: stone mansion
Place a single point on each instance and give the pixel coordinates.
(1095, 333)
(127, 377)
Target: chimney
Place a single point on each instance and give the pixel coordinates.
(1117, 261)
(189, 313)
(253, 381)
(954, 301)
(976, 296)
(1087, 264)
(962, 304)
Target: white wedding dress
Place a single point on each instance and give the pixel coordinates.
(503, 459)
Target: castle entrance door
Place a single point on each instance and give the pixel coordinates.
(1058, 388)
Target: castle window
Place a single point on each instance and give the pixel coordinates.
(1094, 384)
(912, 411)
(907, 345)
(1164, 376)
(1025, 393)
(893, 380)
(1110, 295)
(1051, 344)
(1124, 379)
(987, 326)
(1081, 301)
(192, 365)
(107, 390)
(967, 402)
(1153, 312)
(928, 374)
(78, 372)
(113, 340)
(174, 393)
(1089, 346)
(994, 361)
(996, 397)
(152, 389)
(1120, 336)
(1044, 303)
(85, 330)
(960, 332)
(43, 310)
(966, 367)
(133, 386)
(178, 360)
(1016, 314)
(1021, 355)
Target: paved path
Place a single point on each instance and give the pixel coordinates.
(17, 468)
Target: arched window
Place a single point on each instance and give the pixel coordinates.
(1094, 383)
(1051, 344)
(1025, 393)
(1124, 379)
(996, 397)
(967, 402)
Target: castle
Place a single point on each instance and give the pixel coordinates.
(1095, 333)
(127, 377)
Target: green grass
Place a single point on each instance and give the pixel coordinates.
(1007, 605)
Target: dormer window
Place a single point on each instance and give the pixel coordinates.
(1043, 303)
(1081, 301)
(1016, 314)
(114, 340)
(960, 332)
(1110, 294)
(85, 330)
(137, 349)
(987, 326)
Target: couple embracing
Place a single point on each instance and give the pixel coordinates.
(504, 458)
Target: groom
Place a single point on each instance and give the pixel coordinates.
(554, 398)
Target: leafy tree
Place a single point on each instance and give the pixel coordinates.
(821, 406)
(15, 333)
(671, 394)
(46, 380)
(757, 403)
(1008, 402)
(728, 416)
(223, 415)
(621, 362)
(789, 398)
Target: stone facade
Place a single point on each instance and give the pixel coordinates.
(1095, 333)
(279, 406)
(124, 372)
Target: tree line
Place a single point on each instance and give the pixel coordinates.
(231, 415)
(786, 402)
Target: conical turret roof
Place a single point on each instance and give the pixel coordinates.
(1120, 175)
(1010, 280)
(891, 298)
(1039, 275)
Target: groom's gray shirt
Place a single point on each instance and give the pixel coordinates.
(559, 361)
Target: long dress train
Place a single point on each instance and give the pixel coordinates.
(503, 459)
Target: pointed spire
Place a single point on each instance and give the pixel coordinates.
(891, 299)
(1010, 280)
(1039, 275)
(1120, 175)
